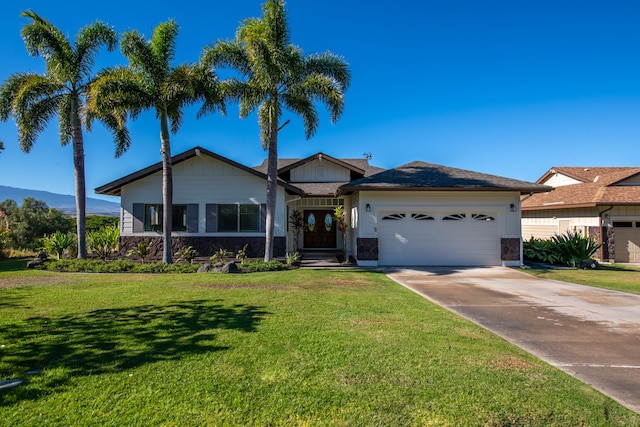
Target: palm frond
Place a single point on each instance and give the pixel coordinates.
(42, 38)
(163, 43)
(88, 42)
(331, 65)
(226, 54)
(303, 105)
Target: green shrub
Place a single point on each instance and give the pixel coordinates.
(567, 249)
(293, 258)
(220, 255)
(115, 266)
(241, 255)
(575, 247)
(187, 254)
(254, 266)
(141, 250)
(104, 242)
(57, 243)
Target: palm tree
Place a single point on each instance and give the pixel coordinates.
(276, 75)
(151, 82)
(33, 99)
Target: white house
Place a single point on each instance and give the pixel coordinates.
(415, 214)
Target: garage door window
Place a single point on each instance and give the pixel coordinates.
(623, 224)
(393, 217)
(422, 217)
(454, 217)
(482, 217)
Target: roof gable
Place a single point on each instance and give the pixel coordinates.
(113, 188)
(428, 176)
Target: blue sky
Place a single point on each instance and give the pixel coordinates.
(509, 88)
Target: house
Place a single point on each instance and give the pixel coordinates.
(601, 202)
(415, 214)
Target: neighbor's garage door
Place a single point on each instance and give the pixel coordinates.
(627, 237)
(449, 239)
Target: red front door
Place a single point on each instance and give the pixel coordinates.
(319, 229)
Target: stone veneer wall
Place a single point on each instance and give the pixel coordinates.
(205, 246)
(510, 249)
(367, 249)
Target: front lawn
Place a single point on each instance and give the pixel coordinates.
(616, 277)
(302, 347)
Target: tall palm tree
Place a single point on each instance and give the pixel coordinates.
(151, 82)
(276, 75)
(33, 99)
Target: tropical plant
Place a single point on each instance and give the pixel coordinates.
(296, 220)
(220, 255)
(188, 254)
(142, 250)
(340, 218)
(104, 242)
(574, 248)
(57, 243)
(276, 75)
(569, 249)
(241, 255)
(33, 99)
(293, 258)
(151, 82)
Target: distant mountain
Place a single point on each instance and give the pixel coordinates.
(63, 202)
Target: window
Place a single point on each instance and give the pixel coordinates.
(180, 221)
(152, 217)
(422, 217)
(482, 217)
(393, 217)
(623, 224)
(238, 218)
(454, 217)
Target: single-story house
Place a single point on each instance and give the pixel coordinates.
(414, 214)
(601, 202)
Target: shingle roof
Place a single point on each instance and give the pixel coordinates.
(600, 186)
(428, 176)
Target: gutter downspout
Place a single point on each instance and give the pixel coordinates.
(601, 228)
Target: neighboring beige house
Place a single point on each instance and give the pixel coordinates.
(415, 214)
(601, 202)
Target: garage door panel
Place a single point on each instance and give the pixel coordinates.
(459, 241)
(627, 237)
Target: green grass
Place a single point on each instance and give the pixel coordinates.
(293, 348)
(616, 277)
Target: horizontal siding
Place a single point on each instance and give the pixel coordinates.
(559, 180)
(202, 181)
(538, 231)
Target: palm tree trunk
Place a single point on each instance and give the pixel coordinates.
(78, 166)
(167, 189)
(272, 187)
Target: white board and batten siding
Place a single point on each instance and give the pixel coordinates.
(440, 228)
(320, 171)
(202, 181)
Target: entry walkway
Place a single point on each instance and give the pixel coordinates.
(592, 334)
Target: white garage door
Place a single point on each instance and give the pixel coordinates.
(456, 238)
(627, 238)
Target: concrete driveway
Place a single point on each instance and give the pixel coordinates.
(590, 333)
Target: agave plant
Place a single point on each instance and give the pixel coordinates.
(575, 247)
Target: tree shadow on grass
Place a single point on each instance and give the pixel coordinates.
(115, 340)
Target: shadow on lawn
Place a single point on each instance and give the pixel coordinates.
(115, 340)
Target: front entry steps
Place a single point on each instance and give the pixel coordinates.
(323, 259)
